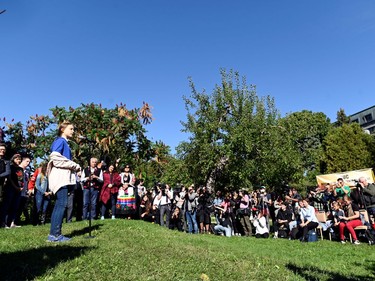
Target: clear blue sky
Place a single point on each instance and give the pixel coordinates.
(315, 55)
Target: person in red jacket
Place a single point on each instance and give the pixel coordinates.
(108, 193)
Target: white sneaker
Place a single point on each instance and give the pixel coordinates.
(356, 242)
(102, 217)
(113, 217)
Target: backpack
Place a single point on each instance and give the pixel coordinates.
(2, 166)
(312, 236)
(369, 234)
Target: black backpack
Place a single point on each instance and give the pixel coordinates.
(2, 166)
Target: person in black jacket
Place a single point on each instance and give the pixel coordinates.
(284, 217)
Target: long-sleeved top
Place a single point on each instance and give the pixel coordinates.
(61, 171)
(308, 214)
(109, 178)
(260, 225)
(41, 183)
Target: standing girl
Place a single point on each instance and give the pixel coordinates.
(62, 178)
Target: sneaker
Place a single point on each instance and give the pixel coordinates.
(356, 242)
(113, 217)
(343, 241)
(5, 226)
(60, 238)
(13, 225)
(102, 217)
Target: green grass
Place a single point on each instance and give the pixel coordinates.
(136, 250)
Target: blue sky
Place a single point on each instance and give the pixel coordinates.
(315, 55)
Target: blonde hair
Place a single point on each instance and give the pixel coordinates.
(62, 127)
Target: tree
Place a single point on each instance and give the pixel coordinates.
(348, 148)
(307, 131)
(111, 133)
(342, 118)
(235, 137)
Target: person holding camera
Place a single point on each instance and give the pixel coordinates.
(165, 199)
(224, 226)
(191, 210)
(244, 212)
(368, 191)
(341, 189)
(261, 229)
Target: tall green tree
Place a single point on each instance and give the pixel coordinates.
(235, 137)
(307, 131)
(342, 118)
(348, 148)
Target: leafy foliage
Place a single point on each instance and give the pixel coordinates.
(348, 148)
(307, 131)
(109, 133)
(235, 137)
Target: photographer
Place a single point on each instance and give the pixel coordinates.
(191, 210)
(224, 226)
(244, 212)
(341, 189)
(261, 229)
(368, 191)
(204, 209)
(165, 197)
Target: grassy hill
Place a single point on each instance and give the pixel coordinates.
(136, 250)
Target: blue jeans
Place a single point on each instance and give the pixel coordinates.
(42, 202)
(87, 200)
(222, 229)
(61, 204)
(191, 217)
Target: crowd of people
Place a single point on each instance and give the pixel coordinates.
(102, 191)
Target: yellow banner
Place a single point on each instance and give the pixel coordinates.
(349, 177)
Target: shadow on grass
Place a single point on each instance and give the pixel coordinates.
(29, 264)
(311, 273)
(85, 230)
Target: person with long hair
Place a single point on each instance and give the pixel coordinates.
(350, 220)
(12, 192)
(109, 191)
(61, 172)
(42, 194)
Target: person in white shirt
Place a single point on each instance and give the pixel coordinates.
(165, 197)
(308, 219)
(260, 224)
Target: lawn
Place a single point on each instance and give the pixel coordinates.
(136, 250)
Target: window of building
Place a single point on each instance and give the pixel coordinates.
(367, 118)
(355, 120)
